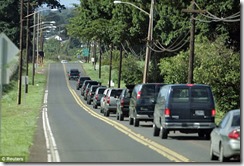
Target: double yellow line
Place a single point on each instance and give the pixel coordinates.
(164, 151)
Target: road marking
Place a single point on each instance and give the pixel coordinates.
(164, 151)
(52, 150)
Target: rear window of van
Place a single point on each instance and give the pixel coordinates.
(198, 95)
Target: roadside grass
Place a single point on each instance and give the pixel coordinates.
(94, 74)
(19, 122)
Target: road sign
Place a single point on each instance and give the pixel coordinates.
(8, 52)
(85, 51)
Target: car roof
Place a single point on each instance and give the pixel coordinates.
(190, 85)
(74, 70)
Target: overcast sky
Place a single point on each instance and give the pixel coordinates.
(68, 3)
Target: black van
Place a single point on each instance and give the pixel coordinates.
(142, 102)
(188, 108)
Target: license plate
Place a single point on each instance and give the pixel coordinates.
(199, 112)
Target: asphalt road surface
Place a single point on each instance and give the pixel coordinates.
(83, 134)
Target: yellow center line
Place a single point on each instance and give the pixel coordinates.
(164, 151)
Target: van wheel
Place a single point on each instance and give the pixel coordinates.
(156, 130)
(131, 121)
(164, 133)
(136, 124)
(121, 117)
(106, 113)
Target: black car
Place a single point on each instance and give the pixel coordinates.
(81, 80)
(123, 103)
(73, 74)
(188, 108)
(142, 102)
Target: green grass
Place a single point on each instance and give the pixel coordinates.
(94, 74)
(19, 122)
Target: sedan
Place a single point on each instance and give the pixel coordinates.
(225, 138)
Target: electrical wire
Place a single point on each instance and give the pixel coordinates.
(214, 18)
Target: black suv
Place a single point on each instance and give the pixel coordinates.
(123, 102)
(142, 102)
(81, 80)
(188, 108)
(74, 74)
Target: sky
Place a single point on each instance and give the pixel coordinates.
(68, 3)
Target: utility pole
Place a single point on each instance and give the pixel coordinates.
(192, 40)
(27, 46)
(100, 60)
(120, 65)
(33, 50)
(21, 53)
(110, 65)
(149, 40)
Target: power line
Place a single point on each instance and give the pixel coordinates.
(214, 18)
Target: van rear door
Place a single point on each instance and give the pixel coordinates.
(179, 103)
(202, 104)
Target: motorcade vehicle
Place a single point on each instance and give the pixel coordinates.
(123, 102)
(73, 74)
(88, 86)
(103, 99)
(91, 93)
(64, 61)
(97, 96)
(187, 108)
(110, 104)
(226, 137)
(142, 102)
(80, 81)
(83, 87)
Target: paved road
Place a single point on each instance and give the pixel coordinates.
(81, 137)
(83, 134)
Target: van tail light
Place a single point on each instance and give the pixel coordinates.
(234, 134)
(108, 100)
(138, 95)
(96, 97)
(167, 112)
(122, 102)
(213, 112)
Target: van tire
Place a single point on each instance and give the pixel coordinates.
(164, 133)
(131, 121)
(156, 131)
(136, 123)
(121, 117)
